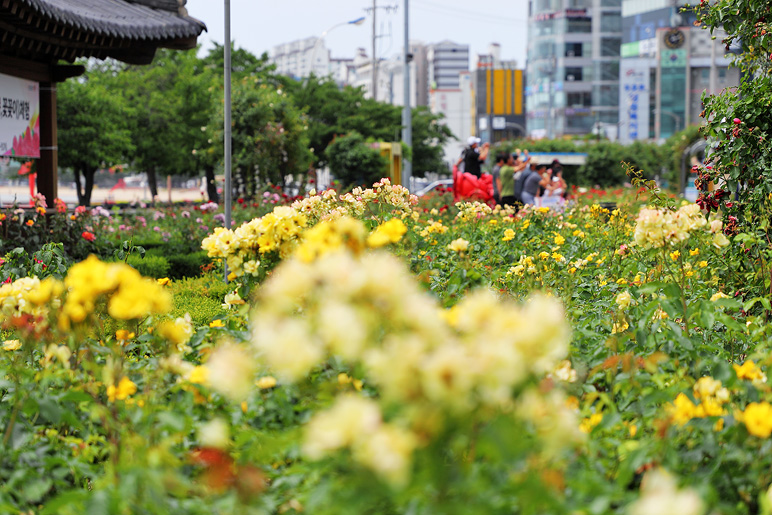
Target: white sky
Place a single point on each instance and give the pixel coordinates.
(258, 25)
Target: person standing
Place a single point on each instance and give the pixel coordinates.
(532, 184)
(507, 173)
(501, 160)
(473, 156)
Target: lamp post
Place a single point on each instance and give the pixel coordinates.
(358, 21)
(227, 124)
(407, 114)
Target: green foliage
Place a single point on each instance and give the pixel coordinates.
(93, 127)
(269, 135)
(353, 162)
(201, 297)
(49, 261)
(182, 265)
(334, 111)
(735, 178)
(149, 265)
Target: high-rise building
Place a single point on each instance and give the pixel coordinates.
(445, 61)
(667, 64)
(572, 66)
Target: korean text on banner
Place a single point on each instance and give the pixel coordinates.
(19, 117)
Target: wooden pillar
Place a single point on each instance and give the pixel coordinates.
(48, 167)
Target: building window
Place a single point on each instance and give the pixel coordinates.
(573, 74)
(611, 3)
(609, 47)
(605, 96)
(610, 22)
(579, 99)
(607, 70)
(578, 25)
(573, 50)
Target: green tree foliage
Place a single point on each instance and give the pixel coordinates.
(94, 130)
(171, 101)
(739, 131)
(268, 134)
(334, 111)
(353, 162)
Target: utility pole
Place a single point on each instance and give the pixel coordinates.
(375, 57)
(407, 115)
(227, 123)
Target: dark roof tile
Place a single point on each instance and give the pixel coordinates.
(128, 19)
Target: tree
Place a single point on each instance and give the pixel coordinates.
(353, 162)
(171, 101)
(268, 134)
(333, 111)
(93, 129)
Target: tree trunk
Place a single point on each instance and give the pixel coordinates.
(152, 183)
(88, 173)
(211, 185)
(78, 188)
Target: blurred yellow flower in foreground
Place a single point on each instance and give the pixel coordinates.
(388, 232)
(459, 245)
(10, 345)
(125, 388)
(758, 419)
(749, 370)
(264, 383)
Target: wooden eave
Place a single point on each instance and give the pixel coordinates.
(48, 31)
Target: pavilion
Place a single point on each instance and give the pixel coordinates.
(38, 38)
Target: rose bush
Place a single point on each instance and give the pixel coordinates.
(387, 356)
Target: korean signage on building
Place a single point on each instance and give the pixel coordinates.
(633, 100)
(19, 113)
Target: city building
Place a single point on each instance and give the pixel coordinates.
(667, 64)
(572, 66)
(445, 61)
(298, 59)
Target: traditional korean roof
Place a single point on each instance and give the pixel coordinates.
(128, 30)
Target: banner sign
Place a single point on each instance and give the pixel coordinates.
(634, 100)
(19, 117)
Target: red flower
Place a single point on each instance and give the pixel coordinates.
(88, 236)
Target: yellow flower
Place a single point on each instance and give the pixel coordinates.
(622, 281)
(509, 234)
(543, 210)
(559, 240)
(624, 299)
(199, 375)
(164, 281)
(388, 232)
(266, 382)
(758, 419)
(10, 345)
(459, 245)
(126, 387)
(124, 335)
(178, 331)
(544, 255)
(750, 371)
(587, 425)
(694, 252)
(682, 410)
(702, 264)
(217, 323)
(675, 255)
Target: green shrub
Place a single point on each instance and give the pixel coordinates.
(202, 297)
(182, 265)
(150, 266)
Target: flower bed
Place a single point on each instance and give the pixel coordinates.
(377, 356)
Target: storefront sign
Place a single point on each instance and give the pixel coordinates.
(634, 100)
(19, 113)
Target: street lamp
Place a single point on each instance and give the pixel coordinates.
(358, 21)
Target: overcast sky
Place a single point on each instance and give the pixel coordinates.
(258, 25)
